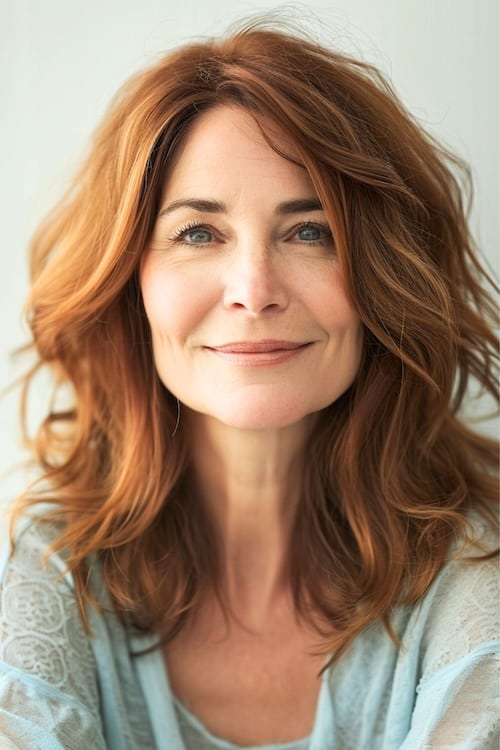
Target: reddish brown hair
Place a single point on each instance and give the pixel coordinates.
(393, 473)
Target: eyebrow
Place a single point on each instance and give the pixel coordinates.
(285, 208)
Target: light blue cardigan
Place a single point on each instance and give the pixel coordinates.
(61, 690)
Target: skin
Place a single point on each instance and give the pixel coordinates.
(247, 270)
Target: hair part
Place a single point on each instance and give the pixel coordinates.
(393, 472)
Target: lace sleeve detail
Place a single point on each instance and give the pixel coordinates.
(458, 708)
(46, 659)
(457, 705)
(464, 615)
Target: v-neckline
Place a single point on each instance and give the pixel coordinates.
(152, 673)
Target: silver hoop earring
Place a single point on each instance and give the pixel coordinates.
(177, 421)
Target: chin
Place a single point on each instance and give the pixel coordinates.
(261, 415)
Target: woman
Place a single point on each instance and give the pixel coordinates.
(261, 306)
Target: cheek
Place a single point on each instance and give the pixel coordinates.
(173, 304)
(332, 306)
(341, 322)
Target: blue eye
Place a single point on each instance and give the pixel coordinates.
(197, 236)
(313, 234)
(309, 233)
(193, 234)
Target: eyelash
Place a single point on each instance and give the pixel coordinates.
(190, 227)
(325, 230)
(193, 225)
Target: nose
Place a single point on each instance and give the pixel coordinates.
(254, 281)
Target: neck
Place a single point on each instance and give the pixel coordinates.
(250, 481)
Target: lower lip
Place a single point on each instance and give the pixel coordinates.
(258, 359)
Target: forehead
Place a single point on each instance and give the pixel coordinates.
(226, 147)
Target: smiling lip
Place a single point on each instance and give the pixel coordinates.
(255, 353)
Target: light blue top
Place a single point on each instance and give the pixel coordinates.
(60, 689)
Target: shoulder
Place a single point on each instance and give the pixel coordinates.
(76, 685)
(30, 574)
(31, 552)
(458, 619)
(42, 637)
(451, 648)
(468, 582)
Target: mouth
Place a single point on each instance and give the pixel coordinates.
(255, 353)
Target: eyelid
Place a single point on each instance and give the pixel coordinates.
(323, 226)
(191, 226)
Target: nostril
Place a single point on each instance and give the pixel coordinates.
(255, 294)
(256, 306)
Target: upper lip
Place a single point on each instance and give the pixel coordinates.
(254, 347)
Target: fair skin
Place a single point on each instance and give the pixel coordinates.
(253, 331)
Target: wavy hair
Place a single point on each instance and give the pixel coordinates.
(393, 471)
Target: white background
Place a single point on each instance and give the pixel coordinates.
(61, 61)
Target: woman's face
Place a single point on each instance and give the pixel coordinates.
(251, 324)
